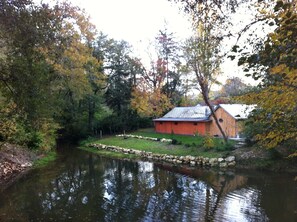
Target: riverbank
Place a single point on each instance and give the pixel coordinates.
(15, 161)
(256, 158)
(245, 157)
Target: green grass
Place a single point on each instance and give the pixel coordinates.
(108, 153)
(45, 160)
(156, 147)
(189, 141)
(181, 138)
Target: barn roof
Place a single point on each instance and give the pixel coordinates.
(194, 113)
(202, 113)
(238, 111)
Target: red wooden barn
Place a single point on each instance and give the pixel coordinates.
(198, 120)
(185, 120)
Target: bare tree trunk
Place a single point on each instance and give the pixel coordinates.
(206, 100)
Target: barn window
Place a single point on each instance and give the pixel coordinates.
(161, 123)
(221, 120)
(195, 124)
(175, 123)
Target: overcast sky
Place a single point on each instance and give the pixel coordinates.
(136, 21)
(139, 21)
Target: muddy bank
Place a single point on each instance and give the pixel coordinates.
(15, 161)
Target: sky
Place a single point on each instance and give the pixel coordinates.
(139, 21)
(136, 21)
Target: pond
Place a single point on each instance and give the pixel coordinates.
(81, 186)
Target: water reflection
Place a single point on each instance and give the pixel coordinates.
(85, 187)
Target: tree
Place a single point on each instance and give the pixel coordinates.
(275, 64)
(201, 55)
(159, 86)
(47, 68)
(121, 69)
(148, 97)
(233, 87)
(25, 75)
(190, 6)
(219, 15)
(150, 104)
(167, 50)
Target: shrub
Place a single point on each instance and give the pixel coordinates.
(35, 140)
(187, 145)
(225, 147)
(196, 133)
(174, 141)
(208, 142)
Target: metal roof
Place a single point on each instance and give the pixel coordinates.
(202, 113)
(182, 120)
(194, 113)
(238, 111)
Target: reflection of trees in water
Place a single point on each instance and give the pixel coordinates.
(242, 205)
(98, 189)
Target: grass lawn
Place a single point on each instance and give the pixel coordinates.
(189, 141)
(188, 145)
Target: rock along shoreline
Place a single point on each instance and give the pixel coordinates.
(186, 160)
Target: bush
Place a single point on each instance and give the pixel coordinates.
(187, 145)
(225, 147)
(174, 142)
(208, 142)
(35, 140)
(43, 135)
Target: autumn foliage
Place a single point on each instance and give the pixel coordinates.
(151, 104)
(276, 96)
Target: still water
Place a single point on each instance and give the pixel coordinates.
(81, 186)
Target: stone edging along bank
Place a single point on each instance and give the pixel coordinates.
(163, 140)
(190, 160)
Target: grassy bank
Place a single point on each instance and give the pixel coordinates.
(184, 145)
(108, 153)
(45, 159)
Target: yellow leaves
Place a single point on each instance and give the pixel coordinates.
(75, 67)
(291, 156)
(278, 103)
(274, 38)
(282, 68)
(276, 98)
(272, 138)
(289, 75)
(150, 104)
(47, 128)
